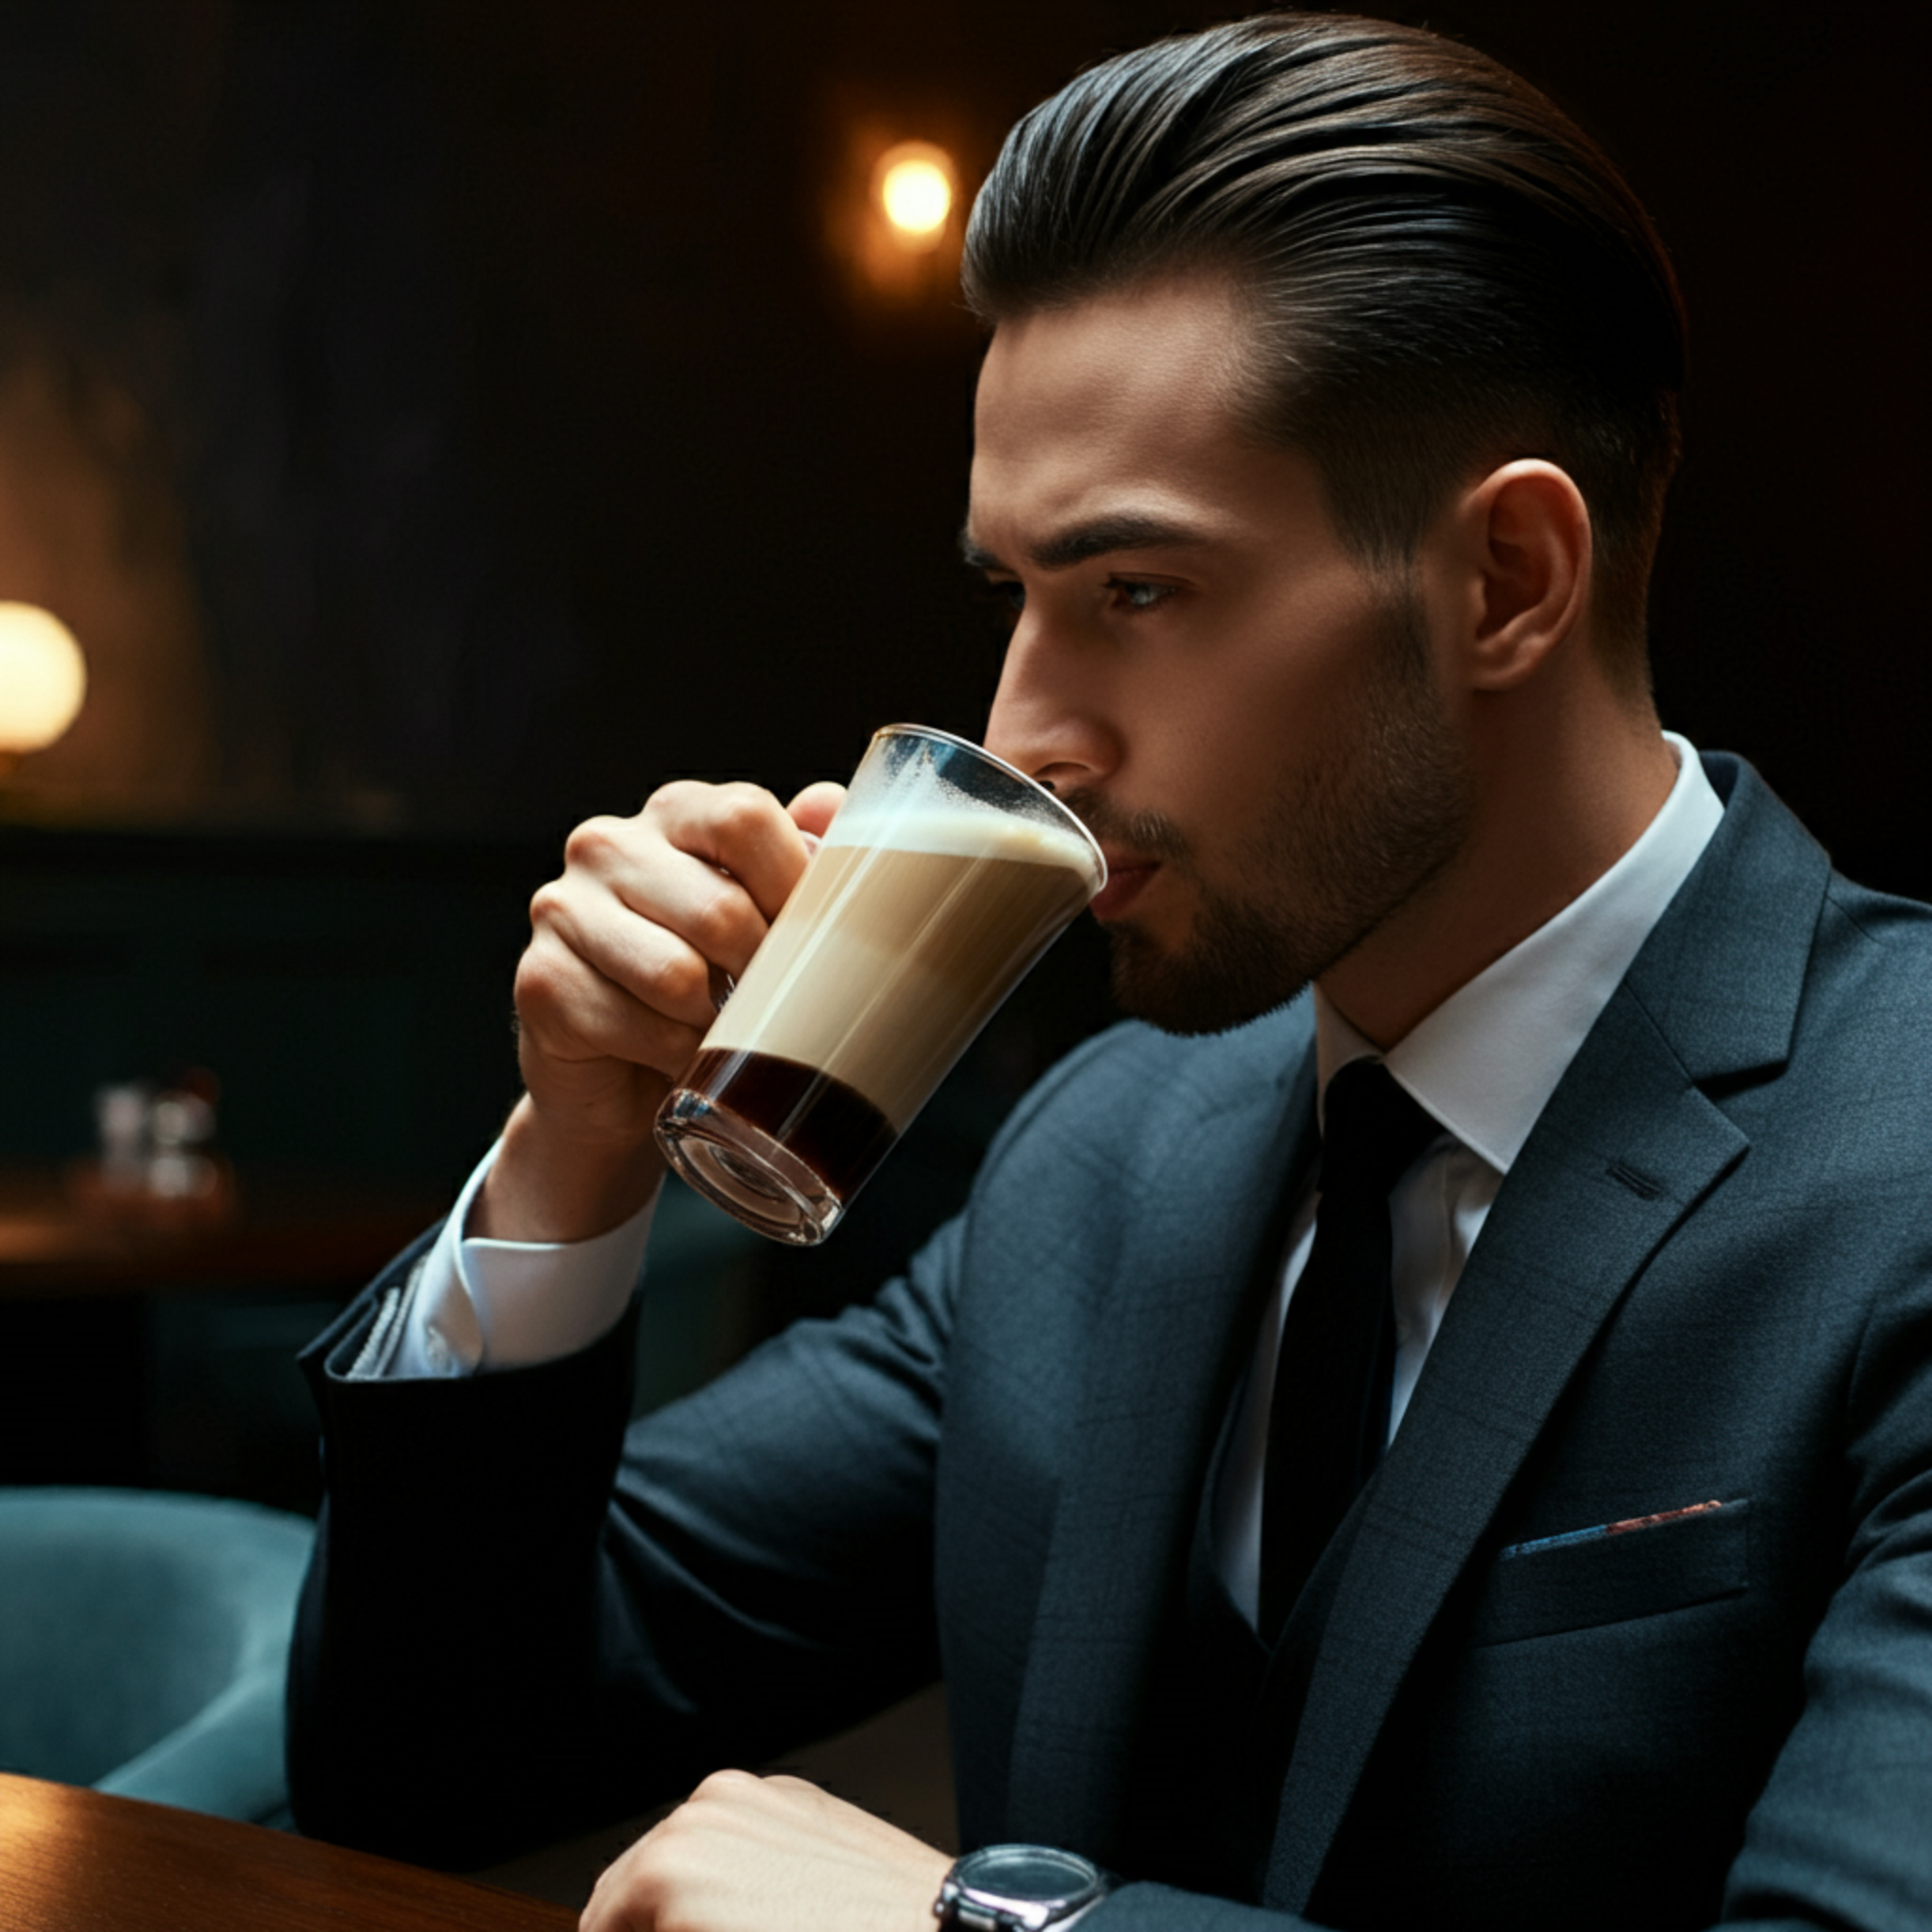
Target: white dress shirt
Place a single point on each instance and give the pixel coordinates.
(1483, 1063)
(471, 1303)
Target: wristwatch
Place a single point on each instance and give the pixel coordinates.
(1018, 1888)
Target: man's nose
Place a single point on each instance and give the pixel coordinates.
(1048, 716)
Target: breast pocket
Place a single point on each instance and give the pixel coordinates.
(1607, 1575)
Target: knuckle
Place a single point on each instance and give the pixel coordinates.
(744, 809)
(676, 805)
(546, 904)
(633, 1892)
(543, 1010)
(675, 793)
(593, 841)
(537, 981)
(672, 986)
(725, 1784)
(718, 919)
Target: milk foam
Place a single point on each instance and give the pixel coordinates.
(925, 813)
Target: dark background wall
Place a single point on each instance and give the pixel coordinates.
(457, 414)
(441, 419)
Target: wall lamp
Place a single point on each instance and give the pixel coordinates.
(895, 216)
(914, 185)
(43, 681)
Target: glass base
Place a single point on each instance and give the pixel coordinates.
(740, 1168)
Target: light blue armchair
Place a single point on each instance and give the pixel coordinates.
(144, 1639)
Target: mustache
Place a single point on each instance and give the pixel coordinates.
(1148, 835)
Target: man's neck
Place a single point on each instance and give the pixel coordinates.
(1559, 796)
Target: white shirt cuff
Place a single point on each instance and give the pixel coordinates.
(472, 1304)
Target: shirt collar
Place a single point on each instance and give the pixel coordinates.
(1486, 1060)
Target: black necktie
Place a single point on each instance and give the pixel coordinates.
(1329, 1419)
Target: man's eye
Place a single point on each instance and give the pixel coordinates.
(1138, 596)
(1006, 598)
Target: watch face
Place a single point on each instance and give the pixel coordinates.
(1036, 1874)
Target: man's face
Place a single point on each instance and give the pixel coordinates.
(1245, 715)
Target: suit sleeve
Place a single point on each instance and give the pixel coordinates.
(1842, 1835)
(522, 1617)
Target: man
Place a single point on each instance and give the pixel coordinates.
(1321, 446)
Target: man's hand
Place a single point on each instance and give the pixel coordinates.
(746, 1854)
(619, 986)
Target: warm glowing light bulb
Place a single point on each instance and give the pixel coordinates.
(915, 180)
(43, 679)
(918, 196)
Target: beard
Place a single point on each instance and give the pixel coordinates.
(1378, 811)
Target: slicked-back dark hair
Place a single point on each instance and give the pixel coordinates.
(1445, 271)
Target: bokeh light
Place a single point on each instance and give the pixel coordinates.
(915, 191)
(42, 678)
(918, 196)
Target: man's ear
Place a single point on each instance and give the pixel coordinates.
(1520, 539)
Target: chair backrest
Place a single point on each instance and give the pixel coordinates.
(144, 1639)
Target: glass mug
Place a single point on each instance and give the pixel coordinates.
(945, 873)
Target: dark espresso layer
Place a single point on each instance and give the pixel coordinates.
(839, 1134)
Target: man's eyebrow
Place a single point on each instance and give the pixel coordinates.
(974, 557)
(1084, 541)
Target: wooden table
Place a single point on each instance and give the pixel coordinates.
(74, 1860)
(296, 1229)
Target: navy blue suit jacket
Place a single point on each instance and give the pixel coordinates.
(1707, 1278)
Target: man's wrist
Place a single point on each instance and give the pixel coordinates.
(547, 1185)
(1019, 1888)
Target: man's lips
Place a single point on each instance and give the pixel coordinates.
(1126, 878)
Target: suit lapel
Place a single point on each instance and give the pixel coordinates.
(1532, 1298)
(1627, 1146)
(1157, 1383)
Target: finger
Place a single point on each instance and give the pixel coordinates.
(612, 1906)
(741, 829)
(713, 914)
(576, 923)
(622, 875)
(812, 812)
(628, 1889)
(649, 1873)
(568, 1010)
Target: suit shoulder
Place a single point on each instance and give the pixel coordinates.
(1899, 925)
(1134, 1079)
(1874, 956)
